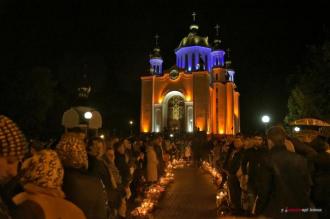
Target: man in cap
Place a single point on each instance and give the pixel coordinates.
(13, 147)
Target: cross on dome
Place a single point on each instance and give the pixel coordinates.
(194, 16)
(156, 39)
(217, 27)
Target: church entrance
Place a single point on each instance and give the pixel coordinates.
(176, 117)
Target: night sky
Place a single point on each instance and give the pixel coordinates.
(114, 42)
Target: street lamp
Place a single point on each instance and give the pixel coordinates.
(88, 115)
(131, 127)
(296, 129)
(265, 119)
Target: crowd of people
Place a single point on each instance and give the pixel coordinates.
(79, 175)
(82, 176)
(277, 176)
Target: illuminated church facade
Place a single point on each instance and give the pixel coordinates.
(197, 94)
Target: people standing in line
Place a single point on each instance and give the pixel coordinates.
(232, 166)
(97, 166)
(216, 152)
(121, 162)
(197, 146)
(43, 197)
(124, 169)
(167, 148)
(152, 163)
(13, 147)
(187, 152)
(157, 142)
(129, 155)
(138, 175)
(284, 181)
(253, 151)
(117, 189)
(94, 200)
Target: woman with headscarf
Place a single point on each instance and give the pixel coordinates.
(43, 198)
(13, 147)
(93, 201)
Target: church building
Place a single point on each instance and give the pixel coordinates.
(197, 94)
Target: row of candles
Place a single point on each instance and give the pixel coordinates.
(222, 198)
(213, 171)
(153, 192)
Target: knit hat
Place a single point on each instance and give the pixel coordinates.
(12, 140)
(72, 151)
(43, 169)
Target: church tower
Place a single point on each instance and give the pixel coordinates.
(217, 54)
(156, 60)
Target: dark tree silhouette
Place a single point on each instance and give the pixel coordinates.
(310, 97)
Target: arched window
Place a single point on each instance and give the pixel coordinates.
(158, 69)
(186, 61)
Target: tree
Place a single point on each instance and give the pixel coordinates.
(310, 96)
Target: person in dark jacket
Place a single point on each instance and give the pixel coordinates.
(252, 154)
(118, 190)
(321, 176)
(157, 144)
(126, 177)
(232, 165)
(93, 201)
(122, 163)
(98, 167)
(284, 181)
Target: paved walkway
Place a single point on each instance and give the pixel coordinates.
(191, 196)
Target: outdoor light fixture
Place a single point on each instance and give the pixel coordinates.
(296, 129)
(265, 119)
(88, 115)
(171, 135)
(102, 136)
(131, 127)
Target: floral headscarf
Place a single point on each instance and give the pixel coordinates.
(43, 169)
(72, 151)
